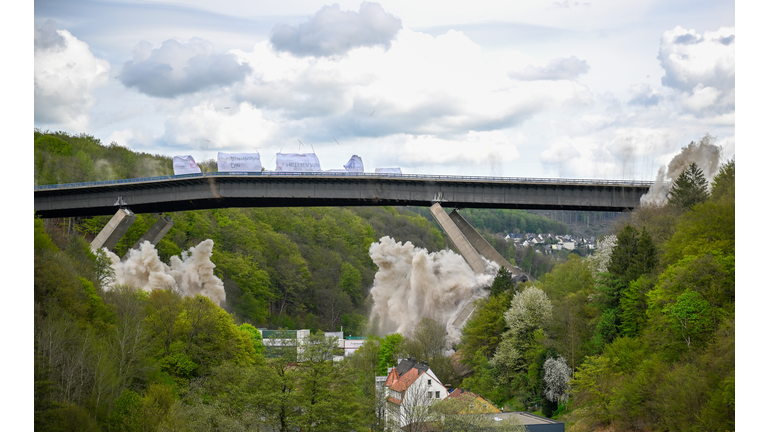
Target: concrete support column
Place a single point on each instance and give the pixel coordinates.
(114, 230)
(465, 248)
(156, 232)
(480, 244)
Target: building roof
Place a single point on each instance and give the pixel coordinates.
(460, 393)
(406, 380)
(406, 373)
(406, 364)
(392, 377)
(525, 418)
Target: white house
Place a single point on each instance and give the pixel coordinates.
(411, 388)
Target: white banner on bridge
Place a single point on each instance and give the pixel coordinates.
(247, 162)
(355, 164)
(185, 165)
(388, 171)
(297, 162)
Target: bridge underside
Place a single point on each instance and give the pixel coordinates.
(200, 193)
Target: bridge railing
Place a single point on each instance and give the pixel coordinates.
(349, 174)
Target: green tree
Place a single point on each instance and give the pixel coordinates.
(364, 364)
(503, 282)
(570, 286)
(482, 332)
(164, 308)
(391, 348)
(327, 395)
(724, 183)
(428, 342)
(255, 335)
(691, 317)
(707, 228)
(530, 310)
(689, 189)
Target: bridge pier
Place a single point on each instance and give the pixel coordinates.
(472, 247)
(156, 233)
(454, 233)
(480, 244)
(115, 229)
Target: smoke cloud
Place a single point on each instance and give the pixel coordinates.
(705, 154)
(191, 274)
(412, 284)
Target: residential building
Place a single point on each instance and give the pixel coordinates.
(278, 343)
(411, 389)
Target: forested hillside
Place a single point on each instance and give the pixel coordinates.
(639, 336)
(281, 267)
(647, 323)
(114, 358)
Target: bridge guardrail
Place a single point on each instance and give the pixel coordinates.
(343, 174)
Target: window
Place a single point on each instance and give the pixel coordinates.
(429, 382)
(429, 395)
(437, 395)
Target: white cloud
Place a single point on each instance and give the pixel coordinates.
(134, 138)
(645, 95)
(427, 85)
(474, 148)
(209, 130)
(556, 69)
(690, 59)
(177, 68)
(577, 103)
(700, 98)
(66, 73)
(335, 32)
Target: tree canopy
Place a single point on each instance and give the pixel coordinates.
(689, 188)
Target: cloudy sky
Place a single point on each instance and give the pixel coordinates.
(580, 89)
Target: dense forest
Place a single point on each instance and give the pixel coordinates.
(639, 336)
(281, 267)
(645, 326)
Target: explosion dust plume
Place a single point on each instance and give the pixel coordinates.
(705, 154)
(192, 273)
(412, 284)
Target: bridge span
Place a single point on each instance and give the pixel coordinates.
(273, 189)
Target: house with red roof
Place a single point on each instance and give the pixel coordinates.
(411, 388)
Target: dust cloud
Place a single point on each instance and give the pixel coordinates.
(412, 284)
(191, 274)
(705, 154)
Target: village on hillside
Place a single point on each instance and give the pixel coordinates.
(546, 243)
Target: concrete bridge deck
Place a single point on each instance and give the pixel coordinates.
(273, 189)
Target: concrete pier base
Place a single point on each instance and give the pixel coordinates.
(156, 232)
(115, 229)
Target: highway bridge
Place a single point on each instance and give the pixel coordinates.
(277, 189)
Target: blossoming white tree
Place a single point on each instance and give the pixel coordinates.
(598, 261)
(557, 380)
(529, 311)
